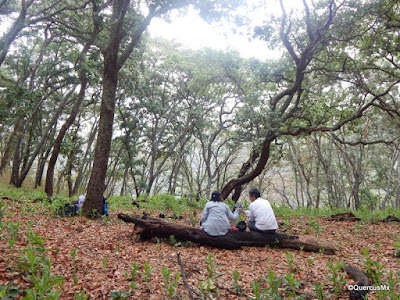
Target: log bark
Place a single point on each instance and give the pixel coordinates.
(344, 216)
(390, 218)
(153, 227)
(361, 280)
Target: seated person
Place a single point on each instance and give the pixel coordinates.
(81, 200)
(216, 215)
(261, 215)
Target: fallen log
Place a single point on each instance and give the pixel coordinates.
(153, 227)
(358, 292)
(390, 218)
(344, 216)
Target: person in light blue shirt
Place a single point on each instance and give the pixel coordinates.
(216, 215)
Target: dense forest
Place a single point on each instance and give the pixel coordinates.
(93, 105)
(90, 103)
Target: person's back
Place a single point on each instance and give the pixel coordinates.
(263, 213)
(215, 217)
(81, 201)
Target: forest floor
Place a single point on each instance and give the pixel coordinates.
(96, 256)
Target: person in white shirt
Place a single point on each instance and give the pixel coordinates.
(81, 200)
(261, 215)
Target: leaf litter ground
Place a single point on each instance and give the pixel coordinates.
(106, 248)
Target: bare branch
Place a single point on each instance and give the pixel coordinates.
(355, 143)
(285, 33)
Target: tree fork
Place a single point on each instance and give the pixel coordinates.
(246, 178)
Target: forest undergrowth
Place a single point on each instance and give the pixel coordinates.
(48, 257)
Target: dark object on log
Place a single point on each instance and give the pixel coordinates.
(11, 199)
(344, 216)
(163, 216)
(68, 210)
(361, 280)
(136, 203)
(49, 200)
(153, 227)
(241, 226)
(390, 219)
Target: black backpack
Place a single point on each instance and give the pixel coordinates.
(69, 210)
(241, 225)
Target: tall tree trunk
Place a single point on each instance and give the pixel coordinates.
(124, 182)
(94, 199)
(10, 143)
(83, 166)
(96, 186)
(40, 168)
(83, 81)
(44, 138)
(49, 187)
(16, 161)
(68, 172)
(114, 165)
(15, 28)
(59, 182)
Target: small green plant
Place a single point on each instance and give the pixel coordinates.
(35, 240)
(120, 295)
(104, 263)
(105, 219)
(13, 233)
(74, 264)
(335, 277)
(9, 291)
(258, 293)
(267, 293)
(2, 205)
(81, 296)
(274, 284)
(310, 261)
(315, 225)
(93, 213)
(45, 284)
(396, 245)
(394, 285)
(209, 285)
(193, 219)
(235, 278)
(319, 292)
(29, 262)
(373, 268)
(211, 268)
(131, 275)
(292, 286)
(170, 284)
(147, 270)
(391, 292)
(73, 253)
(290, 260)
(173, 242)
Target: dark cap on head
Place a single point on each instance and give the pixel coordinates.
(255, 193)
(216, 196)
